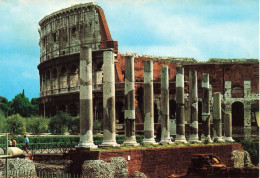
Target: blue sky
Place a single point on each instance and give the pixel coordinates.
(201, 29)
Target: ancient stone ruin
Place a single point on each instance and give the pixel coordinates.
(79, 57)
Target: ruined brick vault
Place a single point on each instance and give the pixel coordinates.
(63, 32)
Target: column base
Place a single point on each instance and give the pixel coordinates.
(86, 145)
(228, 139)
(149, 141)
(204, 138)
(194, 138)
(180, 139)
(218, 139)
(130, 143)
(109, 144)
(167, 141)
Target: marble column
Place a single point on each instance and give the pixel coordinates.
(217, 120)
(228, 128)
(86, 101)
(164, 114)
(205, 108)
(193, 102)
(148, 103)
(180, 118)
(109, 119)
(129, 113)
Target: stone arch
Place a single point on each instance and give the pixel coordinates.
(73, 110)
(120, 112)
(156, 113)
(172, 109)
(200, 111)
(54, 79)
(63, 77)
(238, 118)
(73, 75)
(140, 99)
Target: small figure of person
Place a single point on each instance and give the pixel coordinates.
(26, 144)
(13, 142)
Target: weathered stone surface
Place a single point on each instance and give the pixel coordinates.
(18, 166)
(164, 101)
(148, 103)
(86, 101)
(97, 169)
(241, 159)
(138, 174)
(53, 166)
(180, 117)
(109, 120)
(193, 102)
(120, 167)
(129, 112)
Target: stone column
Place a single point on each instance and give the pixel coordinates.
(180, 119)
(86, 101)
(164, 114)
(129, 114)
(217, 121)
(109, 116)
(148, 103)
(228, 127)
(205, 108)
(193, 102)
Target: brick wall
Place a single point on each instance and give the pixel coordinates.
(163, 162)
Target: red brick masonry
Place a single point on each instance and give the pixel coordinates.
(160, 162)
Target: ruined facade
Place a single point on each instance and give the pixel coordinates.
(63, 32)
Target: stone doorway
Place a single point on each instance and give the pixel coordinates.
(238, 119)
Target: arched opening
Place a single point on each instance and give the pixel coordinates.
(156, 113)
(53, 110)
(120, 112)
(73, 76)
(54, 79)
(200, 112)
(172, 109)
(140, 99)
(62, 108)
(238, 118)
(63, 77)
(73, 110)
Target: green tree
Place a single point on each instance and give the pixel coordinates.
(16, 124)
(5, 106)
(21, 105)
(3, 123)
(37, 125)
(35, 106)
(59, 123)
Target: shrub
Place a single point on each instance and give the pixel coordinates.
(37, 125)
(59, 123)
(74, 125)
(97, 126)
(253, 149)
(3, 123)
(16, 124)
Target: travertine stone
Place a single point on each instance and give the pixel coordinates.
(228, 128)
(180, 119)
(164, 114)
(129, 116)
(205, 108)
(193, 102)
(109, 119)
(86, 102)
(148, 103)
(217, 120)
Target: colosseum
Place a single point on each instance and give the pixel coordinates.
(63, 32)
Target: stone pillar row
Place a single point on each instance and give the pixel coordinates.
(109, 124)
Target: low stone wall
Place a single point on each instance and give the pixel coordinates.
(156, 162)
